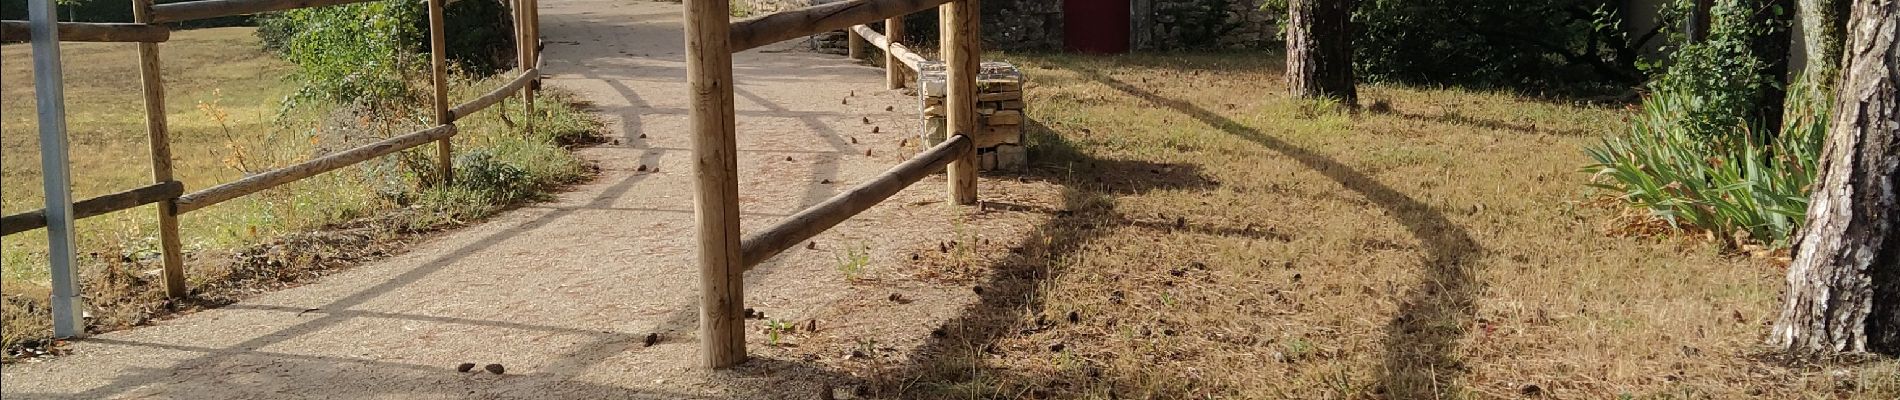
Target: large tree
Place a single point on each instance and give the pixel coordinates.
(1823, 25)
(1844, 285)
(1319, 49)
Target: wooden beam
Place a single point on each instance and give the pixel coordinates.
(870, 36)
(93, 207)
(493, 96)
(439, 82)
(158, 137)
(785, 25)
(903, 54)
(203, 9)
(17, 31)
(280, 176)
(716, 165)
(962, 54)
(818, 218)
(894, 34)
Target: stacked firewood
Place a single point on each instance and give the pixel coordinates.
(999, 109)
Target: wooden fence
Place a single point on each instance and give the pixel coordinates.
(711, 39)
(147, 31)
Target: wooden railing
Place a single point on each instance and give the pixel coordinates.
(17, 31)
(711, 39)
(169, 194)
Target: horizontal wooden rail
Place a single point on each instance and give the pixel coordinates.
(20, 31)
(493, 96)
(36, 219)
(784, 25)
(812, 221)
(190, 10)
(280, 176)
(909, 58)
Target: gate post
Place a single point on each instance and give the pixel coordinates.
(893, 67)
(159, 139)
(962, 55)
(715, 167)
(56, 176)
(439, 81)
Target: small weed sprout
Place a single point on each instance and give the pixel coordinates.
(775, 329)
(855, 260)
(1298, 349)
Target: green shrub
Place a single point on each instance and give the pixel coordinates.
(1724, 81)
(1565, 46)
(350, 53)
(1743, 187)
(372, 52)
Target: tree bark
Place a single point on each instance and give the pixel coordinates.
(1844, 285)
(1774, 48)
(1823, 29)
(1319, 50)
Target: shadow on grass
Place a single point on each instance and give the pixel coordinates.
(955, 362)
(1422, 337)
(1456, 118)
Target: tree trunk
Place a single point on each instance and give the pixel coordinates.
(1823, 28)
(1698, 24)
(1844, 285)
(1774, 49)
(1319, 50)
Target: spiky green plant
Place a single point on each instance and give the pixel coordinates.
(1744, 187)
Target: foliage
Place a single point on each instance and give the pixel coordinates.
(350, 53)
(371, 52)
(1724, 81)
(1743, 187)
(1561, 45)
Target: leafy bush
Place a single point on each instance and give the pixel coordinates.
(1576, 46)
(350, 53)
(1725, 81)
(371, 52)
(1744, 187)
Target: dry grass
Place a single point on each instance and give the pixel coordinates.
(1220, 240)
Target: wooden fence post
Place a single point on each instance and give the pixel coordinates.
(893, 68)
(721, 270)
(962, 57)
(160, 142)
(524, 56)
(534, 56)
(854, 45)
(439, 78)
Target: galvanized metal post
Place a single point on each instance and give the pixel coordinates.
(56, 173)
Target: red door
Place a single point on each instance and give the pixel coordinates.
(1095, 26)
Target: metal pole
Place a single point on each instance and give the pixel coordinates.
(56, 172)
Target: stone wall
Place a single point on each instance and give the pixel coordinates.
(1202, 24)
(1022, 24)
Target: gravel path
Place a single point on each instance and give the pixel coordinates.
(565, 294)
